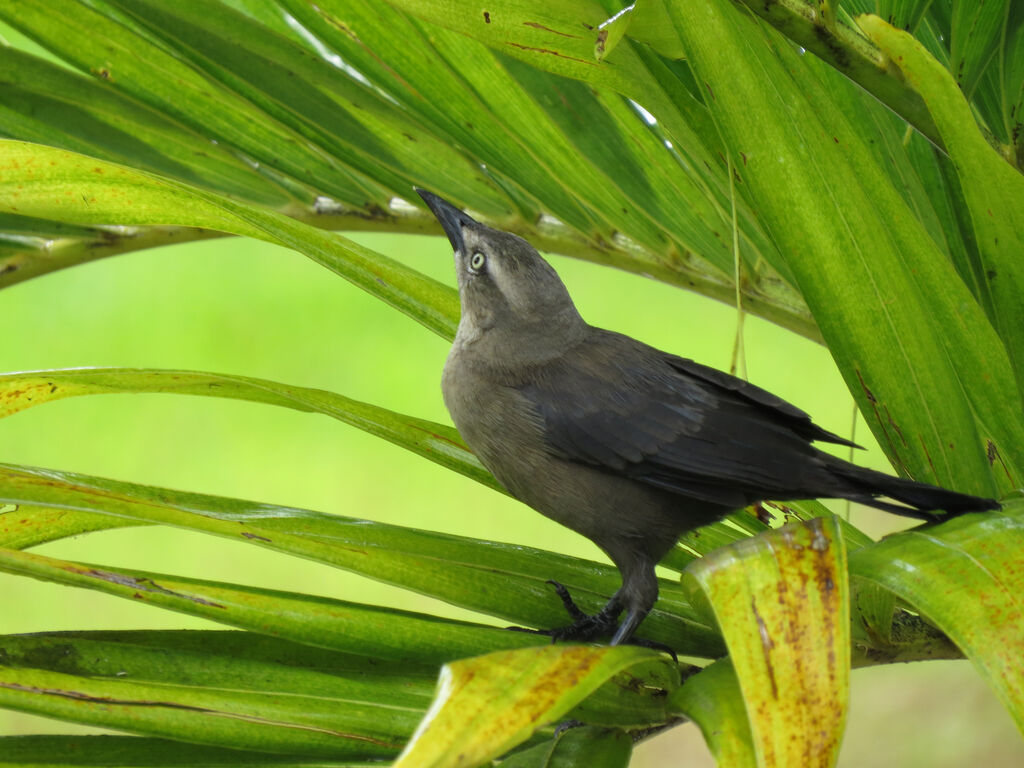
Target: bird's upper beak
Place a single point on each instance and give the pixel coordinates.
(451, 218)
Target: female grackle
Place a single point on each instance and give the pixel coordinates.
(628, 445)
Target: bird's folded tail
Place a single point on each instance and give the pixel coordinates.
(924, 501)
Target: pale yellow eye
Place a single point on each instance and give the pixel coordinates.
(476, 262)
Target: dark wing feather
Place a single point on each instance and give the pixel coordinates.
(799, 421)
(668, 422)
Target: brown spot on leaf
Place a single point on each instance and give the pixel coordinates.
(535, 25)
(145, 585)
(550, 52)
(110, 700)
(867, 392)
(766, 647)
(927, 455)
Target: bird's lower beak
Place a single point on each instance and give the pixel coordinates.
(451, 218)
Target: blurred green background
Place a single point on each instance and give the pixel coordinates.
(241, 307)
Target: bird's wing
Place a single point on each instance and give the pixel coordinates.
(669, 422)
(798, 420)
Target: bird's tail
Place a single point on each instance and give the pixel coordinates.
(922, 500)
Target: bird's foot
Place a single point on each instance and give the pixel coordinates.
(585, 626)
(590, 626)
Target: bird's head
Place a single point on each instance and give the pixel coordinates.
(507, 290)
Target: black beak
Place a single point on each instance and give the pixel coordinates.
(451, 218)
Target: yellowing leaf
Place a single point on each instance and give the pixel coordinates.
(487, 705)
(781, 600)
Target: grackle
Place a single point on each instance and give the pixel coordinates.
(621, 442)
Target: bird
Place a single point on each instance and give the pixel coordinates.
(623, 443)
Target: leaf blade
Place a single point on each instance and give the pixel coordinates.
(51, 183)
(966, 577)
(488, 577)
(488, 705)
(437, 442)
(782, 602)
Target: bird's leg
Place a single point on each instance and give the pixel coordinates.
(628, 626)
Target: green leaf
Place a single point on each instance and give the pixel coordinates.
(884, 631)
(993, 190)
(142, 752)
(976, 32)
(494, 121)
(150, 73)
(47, 104)
(647, 22)
(383, 633)
(490, 704)
(587, 745)
(905, 14)
(237, 700)
(816, 26)
(437, 442)
(1000, 91)
(24, 525)
(558, 37)
(347, 120)
(966, 576)
(498, 579)
(781, 600)
(51, 183)
(907, 334)
(713, 700)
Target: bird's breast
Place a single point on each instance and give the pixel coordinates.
(492, 416)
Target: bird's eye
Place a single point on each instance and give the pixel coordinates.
(476, 262)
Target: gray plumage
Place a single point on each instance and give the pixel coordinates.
(623, 443)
